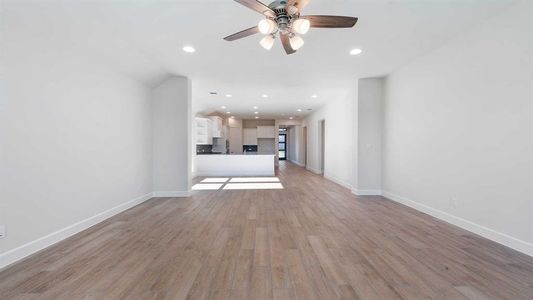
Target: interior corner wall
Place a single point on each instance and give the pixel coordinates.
(172, 138)
(296, 147)
(458, 130)
(369, 126)
(75, 139)
(339, 138)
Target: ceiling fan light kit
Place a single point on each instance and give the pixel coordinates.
(267, 42)
(282, 18)
(267, 26)
(296, 42)
(301, 26)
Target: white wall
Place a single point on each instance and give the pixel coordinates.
(369, 136)
(75, 139)
(295, 144)
(172, 124)
(339, 141)
(459, 131)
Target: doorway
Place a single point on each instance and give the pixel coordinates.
(322, 147)
(304, 144)
(282, 144)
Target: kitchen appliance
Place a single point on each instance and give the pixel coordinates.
(220, 145)
(249, 148)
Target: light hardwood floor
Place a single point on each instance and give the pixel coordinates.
(311, 240)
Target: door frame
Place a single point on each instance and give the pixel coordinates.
(286, 147)
(321, 146)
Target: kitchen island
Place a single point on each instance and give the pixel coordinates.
(235, 165)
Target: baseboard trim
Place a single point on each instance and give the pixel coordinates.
(314, 170)
(297, 163)
(366, 192)
(338, 181)
(172, 193)
(498, 237)
(14, 255)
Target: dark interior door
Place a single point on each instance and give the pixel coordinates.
(282, 146)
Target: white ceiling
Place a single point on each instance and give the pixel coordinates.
(144, 39)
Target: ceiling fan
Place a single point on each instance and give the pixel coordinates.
(283, 18)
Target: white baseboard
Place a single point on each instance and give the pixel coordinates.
(16, 254)
(297, 163)
(171, 194)
(338, 181)
(366, 192)
(498, 237)
(314, 170)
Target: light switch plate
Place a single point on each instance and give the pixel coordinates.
(2, 231)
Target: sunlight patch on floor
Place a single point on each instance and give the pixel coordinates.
(254, 179)
(215, 180)
(238, 183)
(207, 186)
(254, 186)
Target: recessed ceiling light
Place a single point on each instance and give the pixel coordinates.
(229, 95)
(232, 117)
(299, 109)
(264, 96)
(256, 117)
(223, 107)
(189, 49)
(256, 112)
(314, 96)
(255, 107)
(356, 51)
(228, 112)
(290, 118)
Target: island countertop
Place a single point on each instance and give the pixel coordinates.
(249, 153)
(235, 165)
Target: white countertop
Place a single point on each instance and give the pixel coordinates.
(235, 154)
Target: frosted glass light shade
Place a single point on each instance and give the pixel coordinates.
(267, 42)
(301, 26)
(296, 42)
(267, 26)
(292, 10)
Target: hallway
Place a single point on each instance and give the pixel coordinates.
(312, 239)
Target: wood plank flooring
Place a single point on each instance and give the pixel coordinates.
(310, 240)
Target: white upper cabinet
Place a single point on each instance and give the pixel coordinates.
(249, 136)
(266, 132)
(204, 131)
(216, 126)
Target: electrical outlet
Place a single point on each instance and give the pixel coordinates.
(2, 231)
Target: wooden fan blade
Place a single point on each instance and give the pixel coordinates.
(256, 5)
(331, 21)
(300, 4)
(242, 34)
(286, 43)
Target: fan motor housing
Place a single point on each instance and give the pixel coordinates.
(282, 18)
(278, 4)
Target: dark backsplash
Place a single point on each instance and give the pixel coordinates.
(204, 149)
(249, 148)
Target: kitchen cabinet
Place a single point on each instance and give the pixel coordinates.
(235, 140)
(266, 132)
(249, 136)
(204, 131)
(216, 126)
